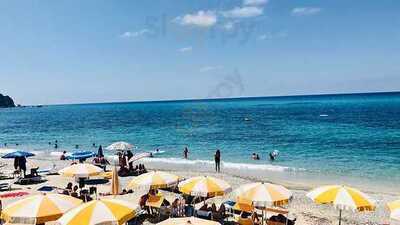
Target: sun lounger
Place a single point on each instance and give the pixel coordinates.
(269, 222)
(280, 220)
(27, 180)
(245, 221)
(49, 171)
(96, 181)
(5, 187)
(203, 214)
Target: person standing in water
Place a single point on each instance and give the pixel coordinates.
(217, 158)
(185, 153)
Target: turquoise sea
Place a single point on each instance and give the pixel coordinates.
(345, 138)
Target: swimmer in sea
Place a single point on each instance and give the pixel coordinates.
(185, 153)
(272, 156)
(255, 156)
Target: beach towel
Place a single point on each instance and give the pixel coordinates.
(14, 194)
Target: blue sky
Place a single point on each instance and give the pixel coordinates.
(101, 51)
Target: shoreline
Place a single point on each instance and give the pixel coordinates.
(292, 178)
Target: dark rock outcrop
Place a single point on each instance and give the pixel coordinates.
(6, 101)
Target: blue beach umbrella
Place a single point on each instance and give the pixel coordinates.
(81, 155)
(16, 154)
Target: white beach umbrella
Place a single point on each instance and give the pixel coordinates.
(120, 146)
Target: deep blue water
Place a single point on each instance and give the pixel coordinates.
(346, 135)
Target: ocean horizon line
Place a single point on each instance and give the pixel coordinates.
(223, 98)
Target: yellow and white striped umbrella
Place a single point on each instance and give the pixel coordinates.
(154, 180)
(264, 194)
(394, 210)
(100, 212)
(38, 209)
(204, 186)
(343, 198)
(188, 221)
(82, 170)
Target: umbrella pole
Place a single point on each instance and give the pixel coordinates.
(340, 217)
(262, 217)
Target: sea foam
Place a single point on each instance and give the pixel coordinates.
(240, 169)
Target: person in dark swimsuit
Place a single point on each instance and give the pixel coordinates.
(185, 152)
(217, 158)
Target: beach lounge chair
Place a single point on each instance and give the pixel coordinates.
(203, 214)
(48, 171)
(203, 211)
(5, 187)
(280, 220)
(245, 221)
(269, 222)
(27, 180)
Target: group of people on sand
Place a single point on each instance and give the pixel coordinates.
(217, 215)
(126, 165)
(72, 190)
(100, 161)
(177, 206)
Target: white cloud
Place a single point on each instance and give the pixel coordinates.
(305, 11)
(129, 34)
(185, 49)
(200, 19)
(254, 2)
(243, 12)
(269, 36)
(210, 68)
(229, 25)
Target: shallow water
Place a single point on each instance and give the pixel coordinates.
(344, 138)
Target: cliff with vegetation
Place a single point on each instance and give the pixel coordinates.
(6, 101)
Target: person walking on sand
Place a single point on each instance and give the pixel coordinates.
(185, 153)
(217, 158)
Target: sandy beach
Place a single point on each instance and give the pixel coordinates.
(306, 212)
